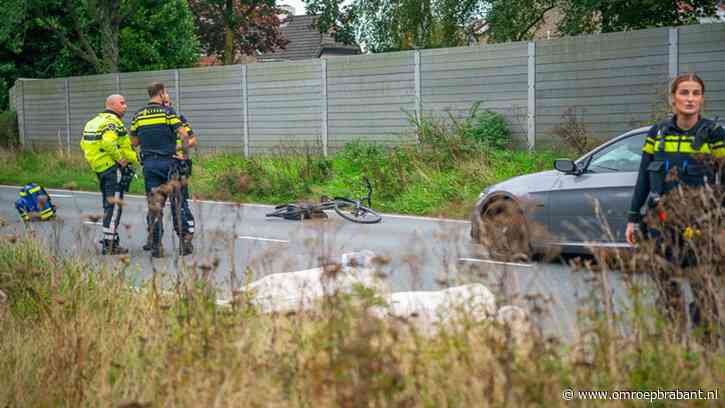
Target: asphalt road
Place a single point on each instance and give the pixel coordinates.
(240, 244)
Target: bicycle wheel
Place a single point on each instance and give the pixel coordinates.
(352, 211)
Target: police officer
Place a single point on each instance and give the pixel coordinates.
(107, 148)
(182, 171)
(155, 129)
(677, 144)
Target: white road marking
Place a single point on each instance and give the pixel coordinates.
(495, 262)
(93, 223)
(253, 205)
(262, 239)
(418, 217)
(62, 196)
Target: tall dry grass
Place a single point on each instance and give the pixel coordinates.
(75, 334)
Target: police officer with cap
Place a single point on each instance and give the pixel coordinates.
(155, 128)
(107, 148)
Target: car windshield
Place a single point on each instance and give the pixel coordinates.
(621, 156)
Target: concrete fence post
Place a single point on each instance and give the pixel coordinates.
(531, 104)
(21, 119)
(323, 107)
(67, 112)
(674, 52)
(177, 86)
(418, 97)
(245, 109)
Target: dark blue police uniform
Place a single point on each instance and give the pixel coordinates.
(155, 126)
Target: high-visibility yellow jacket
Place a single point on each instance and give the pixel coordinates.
(669, 147)
(105, 141)
(192, 137)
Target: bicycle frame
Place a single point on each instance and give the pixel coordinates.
(359, 213)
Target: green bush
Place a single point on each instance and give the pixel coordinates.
(489, 128)
(8, 129)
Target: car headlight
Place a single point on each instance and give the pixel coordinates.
(483, 195)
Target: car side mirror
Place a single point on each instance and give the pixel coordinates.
(566, 166)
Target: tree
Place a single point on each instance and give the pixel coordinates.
(587, 16)
(91, 29)
(389, 25)
(84, 21)
(517, 20)
(386, 25)
(238, 27)
(158, 34)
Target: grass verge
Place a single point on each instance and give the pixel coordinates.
(75, 335)
(406, 179)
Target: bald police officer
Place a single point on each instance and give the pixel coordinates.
(107, 148)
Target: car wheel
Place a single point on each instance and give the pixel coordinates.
(504, 231)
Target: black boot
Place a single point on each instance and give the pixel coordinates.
(187, 248)
(112, 247)
(157, 251)
(147, 246)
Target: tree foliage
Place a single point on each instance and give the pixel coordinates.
(516, 20)
(56, 38)
(588, 16)
(230, 28)
(389, 25)
(159, 35)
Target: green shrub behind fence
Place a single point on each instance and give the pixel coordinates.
(8, 128)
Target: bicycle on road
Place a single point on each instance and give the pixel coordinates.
(349, 209)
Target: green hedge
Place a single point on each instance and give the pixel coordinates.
(9, 129)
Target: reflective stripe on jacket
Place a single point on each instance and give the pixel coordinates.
(105, 141)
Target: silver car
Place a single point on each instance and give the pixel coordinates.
(580, 205)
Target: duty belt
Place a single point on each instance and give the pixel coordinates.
(152, 155)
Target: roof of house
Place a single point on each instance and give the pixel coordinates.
(306, 42)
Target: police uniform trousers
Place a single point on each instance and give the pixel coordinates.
(670, 299)
(158, 172)
(111, 194)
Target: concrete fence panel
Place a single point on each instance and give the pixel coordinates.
(369, 97)
(87, 96)
(453, 79)
(45, 113)
(610, 82)
(284, 105)
(702, 51)
(211, 99)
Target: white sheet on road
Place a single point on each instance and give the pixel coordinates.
(430, 307)
(302, 290)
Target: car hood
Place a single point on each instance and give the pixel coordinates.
(527, 184)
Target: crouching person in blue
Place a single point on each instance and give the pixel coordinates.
(155, 129)
(676, 153)
(107, 148)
